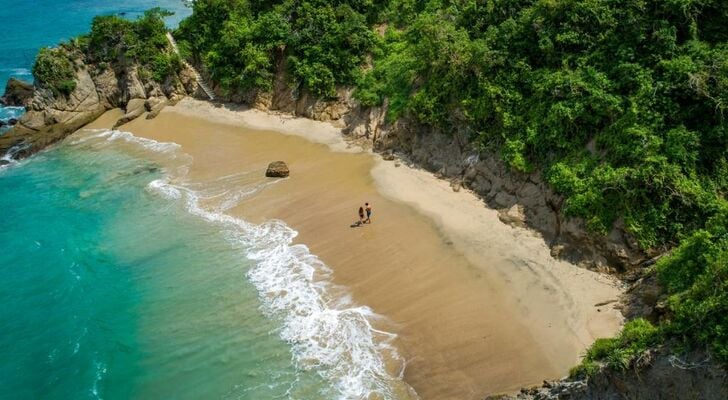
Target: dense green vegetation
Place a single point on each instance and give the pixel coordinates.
(112, 39)
(324, 43)
(55, 69)
(696, 279)
(619, 353)
(620, 103)
(142, 41)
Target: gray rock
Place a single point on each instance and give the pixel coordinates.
(17, 93)
(504, 199)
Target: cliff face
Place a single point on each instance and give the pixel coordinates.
(51, 116)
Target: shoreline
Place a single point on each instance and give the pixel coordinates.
(480, 307)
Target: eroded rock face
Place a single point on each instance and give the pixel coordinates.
(277, 169)
(17, 93)
(51, 117)
(660, 375)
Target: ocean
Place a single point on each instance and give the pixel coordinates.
(118, 284)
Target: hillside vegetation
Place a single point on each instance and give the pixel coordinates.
(621, 104)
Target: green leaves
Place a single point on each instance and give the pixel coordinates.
(54, 69)
(325, 44)
(114, 39)
(696, 278)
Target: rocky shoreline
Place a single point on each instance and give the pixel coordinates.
(522, 199)
(52, 116)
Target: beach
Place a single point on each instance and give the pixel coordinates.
(478, 307)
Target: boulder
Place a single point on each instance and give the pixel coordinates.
(277, 169)
(12, 121)
(134, 109)
(513, 216)
(155, 105)
(17, 93)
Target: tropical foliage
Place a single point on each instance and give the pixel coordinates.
(55, 69)
(324, 43)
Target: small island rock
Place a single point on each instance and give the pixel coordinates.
(277, 169)
(17, 93)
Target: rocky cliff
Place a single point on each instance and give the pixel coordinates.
(658, 375)
(50, 116)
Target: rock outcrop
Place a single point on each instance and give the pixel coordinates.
(659, 375)
(277, 169)
(17, 93)
(52, 116)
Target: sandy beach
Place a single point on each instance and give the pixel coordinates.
(479, 307)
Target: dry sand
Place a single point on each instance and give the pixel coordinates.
(479, 307)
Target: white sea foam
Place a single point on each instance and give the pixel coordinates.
(17, 71)
(327, 332)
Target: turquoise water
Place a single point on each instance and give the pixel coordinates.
(109, 291)
(28, 25)
(117, 283)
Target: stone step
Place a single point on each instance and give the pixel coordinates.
(200, 81)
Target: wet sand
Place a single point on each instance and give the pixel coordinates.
(480, 307)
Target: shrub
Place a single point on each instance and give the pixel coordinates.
(54, 69)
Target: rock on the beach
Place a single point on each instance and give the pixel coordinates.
(17, 93)
(277, 169)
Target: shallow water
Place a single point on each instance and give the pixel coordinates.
(119, 283)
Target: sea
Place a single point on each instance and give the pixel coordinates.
(117, 284)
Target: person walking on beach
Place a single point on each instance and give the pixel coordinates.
(361, 215)
(369, 213)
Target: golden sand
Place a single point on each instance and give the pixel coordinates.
(479, 307)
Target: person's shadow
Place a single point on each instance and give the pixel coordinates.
(356, 224)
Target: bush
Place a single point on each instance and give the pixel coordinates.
(143, 41)
(54, 70)
(619, 353)
(324, 44)
(696, 278)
